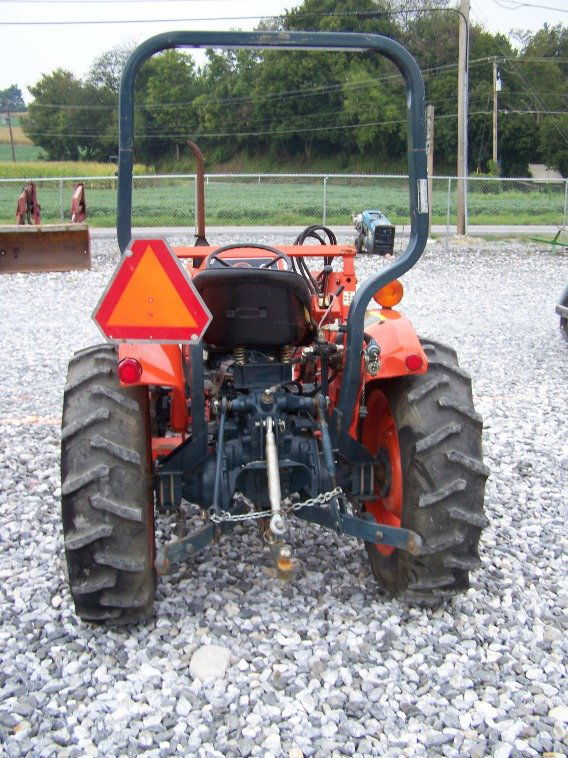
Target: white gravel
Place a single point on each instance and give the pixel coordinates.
(322, 665)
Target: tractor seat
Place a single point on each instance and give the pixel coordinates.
(256, 307)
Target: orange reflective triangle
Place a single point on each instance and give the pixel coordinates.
(151, 287)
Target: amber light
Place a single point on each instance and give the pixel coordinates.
(390, 294)
(129, 371)
(414, 362)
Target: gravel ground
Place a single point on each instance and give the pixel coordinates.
(323, 665)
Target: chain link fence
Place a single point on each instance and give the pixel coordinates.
(295, 199)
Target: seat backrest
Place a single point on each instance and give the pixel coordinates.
(256, 307)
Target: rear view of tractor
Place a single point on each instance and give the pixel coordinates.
(241, 385)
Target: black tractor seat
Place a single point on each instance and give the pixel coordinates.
(256, 307)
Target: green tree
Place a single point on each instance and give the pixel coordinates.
(11, 98)
(106, 70)
(544, 59)
(554, 142)
(226, 105)
(171, 90)
(67, 117)
(49, 121)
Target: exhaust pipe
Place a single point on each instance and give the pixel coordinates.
(200, 240)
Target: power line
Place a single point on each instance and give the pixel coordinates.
(214, 135)
(526, 83)
(93, 2)
(364, 15)
(280, 95)
(300, 92)
(98, 22)
(517, 5)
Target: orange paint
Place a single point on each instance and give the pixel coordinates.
(161, 366)
(151, 288)
(162, 446)
(379, 433)
(397, 339)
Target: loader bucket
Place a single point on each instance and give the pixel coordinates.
(54, 247)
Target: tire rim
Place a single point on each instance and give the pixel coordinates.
(380, 433)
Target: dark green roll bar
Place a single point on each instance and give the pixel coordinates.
(418, 186)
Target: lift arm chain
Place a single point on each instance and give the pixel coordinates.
(323, 498)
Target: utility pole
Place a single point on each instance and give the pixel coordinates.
(7, 111)
(461, 221)
(430, 156)
(496, 89)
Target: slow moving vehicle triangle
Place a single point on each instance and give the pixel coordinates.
(151, 297)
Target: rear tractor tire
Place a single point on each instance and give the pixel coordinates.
(107, 491)
(428, 434)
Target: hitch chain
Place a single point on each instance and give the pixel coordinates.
(323, 498)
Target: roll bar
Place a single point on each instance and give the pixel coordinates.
(418, 185)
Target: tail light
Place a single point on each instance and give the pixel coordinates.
(129, 371)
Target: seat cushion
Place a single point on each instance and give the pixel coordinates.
(256, 307)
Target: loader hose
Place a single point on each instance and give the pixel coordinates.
(318, 286)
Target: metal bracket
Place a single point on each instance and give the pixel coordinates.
(169, 489)
(181, 550)
(364, 529)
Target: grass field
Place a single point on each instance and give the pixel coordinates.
(56, 169)
(24, 149)
(24, 154)
(170, 202)
(17, 135)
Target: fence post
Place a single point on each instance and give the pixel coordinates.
(324, 200)
(61, 200)
(448, 211)
(565, 203)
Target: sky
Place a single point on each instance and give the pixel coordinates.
(27, 51)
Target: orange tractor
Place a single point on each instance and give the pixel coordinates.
(243, 383)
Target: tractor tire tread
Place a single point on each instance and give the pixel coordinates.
(121, 452)
(465, 410)
(124, 402)
(432, 498)
(126, 512)
(434, 439)
(443, 481)
(120, 562)
(473, 464)
(96, 372)
(100, 349)
(423, 389)
(107, 499)
(100, 414)
(101, 580)
(72, 484)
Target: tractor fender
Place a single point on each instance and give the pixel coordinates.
(162, 367)
(161, 364)
(397, 339)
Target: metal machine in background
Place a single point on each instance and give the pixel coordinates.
(375, 233)
(29, 245)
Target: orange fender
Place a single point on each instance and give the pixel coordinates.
(161, 366)
(397, 339)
